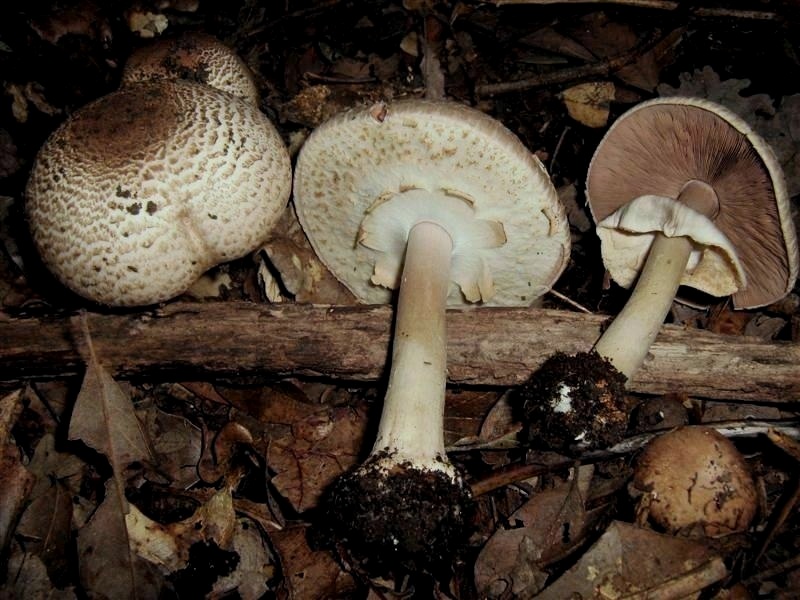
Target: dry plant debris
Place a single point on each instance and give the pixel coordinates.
(126, 474)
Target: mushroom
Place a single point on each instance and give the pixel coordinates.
(141, 191)
(683, 193)
(192, 56)
(445, 203)
(694, 476)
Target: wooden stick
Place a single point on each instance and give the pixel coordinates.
(486, 346)
(699, 11)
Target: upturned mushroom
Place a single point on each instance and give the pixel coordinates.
(192, 56)
(446, 204)
(683, 193)
(140, 192)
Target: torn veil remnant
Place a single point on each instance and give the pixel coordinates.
(683, 193)
(444, 203)
(141, 191)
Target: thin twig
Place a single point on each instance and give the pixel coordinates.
(669, 5)
(516, 472)
(557, 149)
(778, 519)
(787, 565)
(657, 4)
(334, 79)
(569, 301)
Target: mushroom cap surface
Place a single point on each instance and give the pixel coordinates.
(645, 161)
(141, 191)
(696, 476)
(192, 56)
(419, 155)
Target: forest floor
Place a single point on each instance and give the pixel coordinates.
(219, 478)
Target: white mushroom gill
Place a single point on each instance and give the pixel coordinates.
(387, 226)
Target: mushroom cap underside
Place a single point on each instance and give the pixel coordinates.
(193, 56)
(368, 157)
(660, 146)
(141, 191)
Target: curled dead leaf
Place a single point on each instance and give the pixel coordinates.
(321, 447)
(589, 103)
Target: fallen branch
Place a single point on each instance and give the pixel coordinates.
(514, 472)
(486, 346)
(698, 11)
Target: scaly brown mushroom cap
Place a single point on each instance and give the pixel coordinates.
(140, 192)
(193, 56)
(660, 147)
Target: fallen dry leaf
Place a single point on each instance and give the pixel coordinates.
(216, 456)
(629, 560)
(46, 527)
(301, 273)
(168, 546)
(30, 578)
(48, 465)
(589, 103)
(498, 424)
(277, 403)
(104, 418)
(466, 412)
(177, 445)
(546, 528)
(29, 93)
(9, 160)
(147, 24)
(309, 574)
(255, 568)
(607, 38)
(109, 568)
(320, 448)
(553, 41)
(576, 215)
(10, 409)
(16, 484)
(83, 18)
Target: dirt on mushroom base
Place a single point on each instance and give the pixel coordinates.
(408, 520)
(573, 408)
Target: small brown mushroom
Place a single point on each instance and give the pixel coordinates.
(141, 191)
(695, 476)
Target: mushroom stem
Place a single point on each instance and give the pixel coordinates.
(628, 338)
(411, 421)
